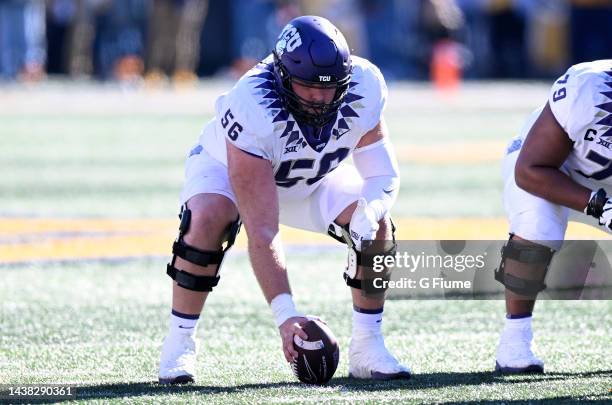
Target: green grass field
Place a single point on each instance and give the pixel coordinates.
(96, 152)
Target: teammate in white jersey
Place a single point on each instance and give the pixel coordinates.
(273, 155)
(559, 168)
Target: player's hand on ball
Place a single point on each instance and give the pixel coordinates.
(363, 224)
(288, 329)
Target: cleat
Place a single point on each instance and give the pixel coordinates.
(533, 368)
(370, 359)
(181, 379)
(178, 359)
(515, 354)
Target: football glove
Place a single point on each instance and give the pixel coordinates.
(363, 224)
(600, 207)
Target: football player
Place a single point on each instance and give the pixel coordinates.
(273, 154)
(559, 168)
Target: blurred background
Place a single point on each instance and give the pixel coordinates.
(154, 41)
(100, 102)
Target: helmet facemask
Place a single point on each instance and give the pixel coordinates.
(308, 112)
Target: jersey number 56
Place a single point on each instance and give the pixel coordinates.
(325, 166)
(235, 129)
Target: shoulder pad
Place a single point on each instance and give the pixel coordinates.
(577, 96)
(246, 113)
(368, 83)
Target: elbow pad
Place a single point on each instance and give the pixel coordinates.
(377, 165)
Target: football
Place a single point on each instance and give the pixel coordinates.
(318, 356)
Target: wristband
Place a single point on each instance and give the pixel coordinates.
(283, 308)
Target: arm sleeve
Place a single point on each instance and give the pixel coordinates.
(377, 165)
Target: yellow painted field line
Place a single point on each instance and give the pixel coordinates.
(453, 152)
(146, 237)
(10, 226)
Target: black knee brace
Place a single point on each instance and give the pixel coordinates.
(527, 254)
(197, 256)
(356, 258)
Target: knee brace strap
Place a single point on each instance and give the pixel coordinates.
(191, 281)
(355, 259)
(527, 254)
(198, 256)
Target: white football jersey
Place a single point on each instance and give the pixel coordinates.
(252, 117)
(581, 101)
